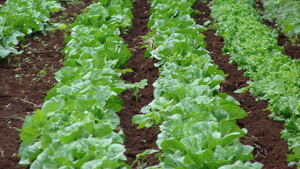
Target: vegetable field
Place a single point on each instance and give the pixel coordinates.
(149, 84)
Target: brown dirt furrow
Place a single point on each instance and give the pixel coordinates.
(263, 132)
(26, 79)
(137, 141)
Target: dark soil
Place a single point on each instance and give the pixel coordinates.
(137, 141)
(26, 79)
(20, 96)
(263, 133)
(2, 2)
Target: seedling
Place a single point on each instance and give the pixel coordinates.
(25, 46)
(197, 12)
(9, 124)
(8, 105)
(2, 153)
(143, 156)
(62, 27)
(18, 57)
(20, 78)
(43, 72)
(37, 38)
(138, 86)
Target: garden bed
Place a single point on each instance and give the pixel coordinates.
(26, 79)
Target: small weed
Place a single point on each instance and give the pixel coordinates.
(52, 68)
(65, 15)
(25, 46)
(15, 155)
(52, 32)
(137, 87)
(34, 79)
(18, 57)
(293, 40)
(7, 106)
(43, 72)
(37, 38)
(2, 153)
(197, 12)
(26, 60)
(43, 43)
(64, 28)
(15, 117)
(9, 124)
(20, 78)
(143, 156)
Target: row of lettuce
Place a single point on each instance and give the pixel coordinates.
(286, 14)
(77, 126)
(20, 18)
(197, 122)
(276, 77)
